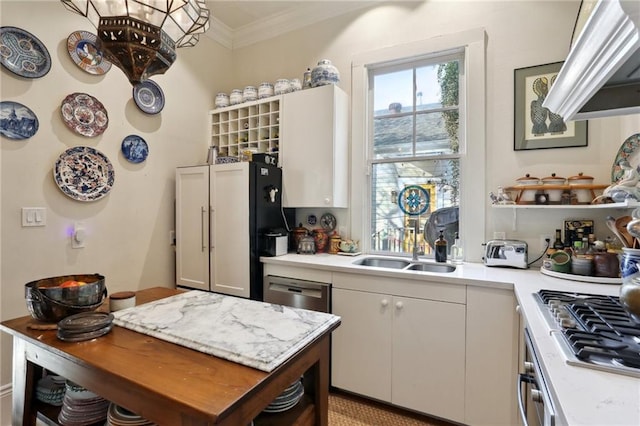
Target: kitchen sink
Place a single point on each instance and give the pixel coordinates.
(380, 262)
(385, 262)
(431, 267)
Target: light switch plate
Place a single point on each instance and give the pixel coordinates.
(34, 216)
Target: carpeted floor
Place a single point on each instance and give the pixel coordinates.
(348, 410)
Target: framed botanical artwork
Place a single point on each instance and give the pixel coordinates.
(535, 127)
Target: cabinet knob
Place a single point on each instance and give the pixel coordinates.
(327, 201)
(384, 302)
(399, 305)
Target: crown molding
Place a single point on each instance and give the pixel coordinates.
(281, 23)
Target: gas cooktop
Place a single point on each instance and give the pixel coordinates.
(596, 331)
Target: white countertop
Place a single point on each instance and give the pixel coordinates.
(256, 334)
(585, 396)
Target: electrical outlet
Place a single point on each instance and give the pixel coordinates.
(543, 242)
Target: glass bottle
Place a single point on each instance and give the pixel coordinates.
(441, 248)
(457, 255)
(558, 244)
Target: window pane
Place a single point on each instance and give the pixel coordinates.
(392, 230)
(393, 92)
(393, 137)
(432, 133)
(427, 88)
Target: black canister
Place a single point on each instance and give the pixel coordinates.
(441, 248)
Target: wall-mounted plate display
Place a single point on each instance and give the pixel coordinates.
(23, 54)
(17, 121)
(84, 51)
(148, 96)
(134, 149)
(628, 151)
(84, 114)
(84, 173)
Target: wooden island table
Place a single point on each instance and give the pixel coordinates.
(164, 382)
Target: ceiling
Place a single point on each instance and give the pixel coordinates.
(239, 23)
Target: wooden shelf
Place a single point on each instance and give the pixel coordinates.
(623, 205)
(521, 189)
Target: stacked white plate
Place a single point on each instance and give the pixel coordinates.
(287, 399)
(50, 389)
(82, 407)
(119, 416)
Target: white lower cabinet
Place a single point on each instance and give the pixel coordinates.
(404, 350)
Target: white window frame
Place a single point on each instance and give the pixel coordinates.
(473, 192)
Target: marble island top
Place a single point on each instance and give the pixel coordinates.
(257, 334)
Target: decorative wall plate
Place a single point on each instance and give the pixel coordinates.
(23, 54)
(83, 49)
(134, 149)
(628, 151)
(84, 173)
(84, 114)
(148, 96)
(17, 121)
(328, 222)
(413, 200)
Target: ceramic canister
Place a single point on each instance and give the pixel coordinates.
(295, 84)
(555, 195)
(282, 86)
(265, 90)
(222, 100)
(629, 264)
(528, 196)
(236, 97)
(324, 73)
(250, 93)
(584, 195)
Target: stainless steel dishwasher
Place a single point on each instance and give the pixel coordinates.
(312, 295)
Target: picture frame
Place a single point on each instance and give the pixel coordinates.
(535, 127)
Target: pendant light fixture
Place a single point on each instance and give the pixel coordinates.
(140, 36)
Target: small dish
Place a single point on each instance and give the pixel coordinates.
(134, 149)
(83, 49)
(18, 121)
(149, 97)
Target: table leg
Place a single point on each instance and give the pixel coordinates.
(321, 373)
(24, 383)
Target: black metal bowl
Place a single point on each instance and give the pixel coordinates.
(47, 301)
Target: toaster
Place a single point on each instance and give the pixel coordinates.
(506, 253)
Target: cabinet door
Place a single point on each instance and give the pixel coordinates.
(493, 328)
(192, 227)
(361, 346)
(230, 229)
(429, 357)
(314, 149)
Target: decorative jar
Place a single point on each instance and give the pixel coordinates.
(295, 84)
(555, 195)
(265, 90)
(222, 100)
(321, 239)
(282, 86)
(527, 196)
(250, 93)
(236, 97)
(324, 73)
(585, 196)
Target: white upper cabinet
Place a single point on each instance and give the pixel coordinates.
(314, 149)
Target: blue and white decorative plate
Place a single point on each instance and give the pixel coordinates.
(83, 49)
(134, 149)
(17, 121)
(23, 54)
(84, 173)
(148, 96)
(413, 200)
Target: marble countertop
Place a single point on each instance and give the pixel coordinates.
(584, 396)
(256, 334)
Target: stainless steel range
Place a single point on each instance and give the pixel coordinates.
(594, 331)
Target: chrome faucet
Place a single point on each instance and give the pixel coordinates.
(416, 250)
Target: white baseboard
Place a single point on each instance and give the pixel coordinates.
(5, 404)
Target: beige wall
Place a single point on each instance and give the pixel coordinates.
(128, 230)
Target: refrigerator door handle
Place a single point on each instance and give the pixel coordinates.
(203, 212)
(211, 223)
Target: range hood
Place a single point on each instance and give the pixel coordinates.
(601, 75)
